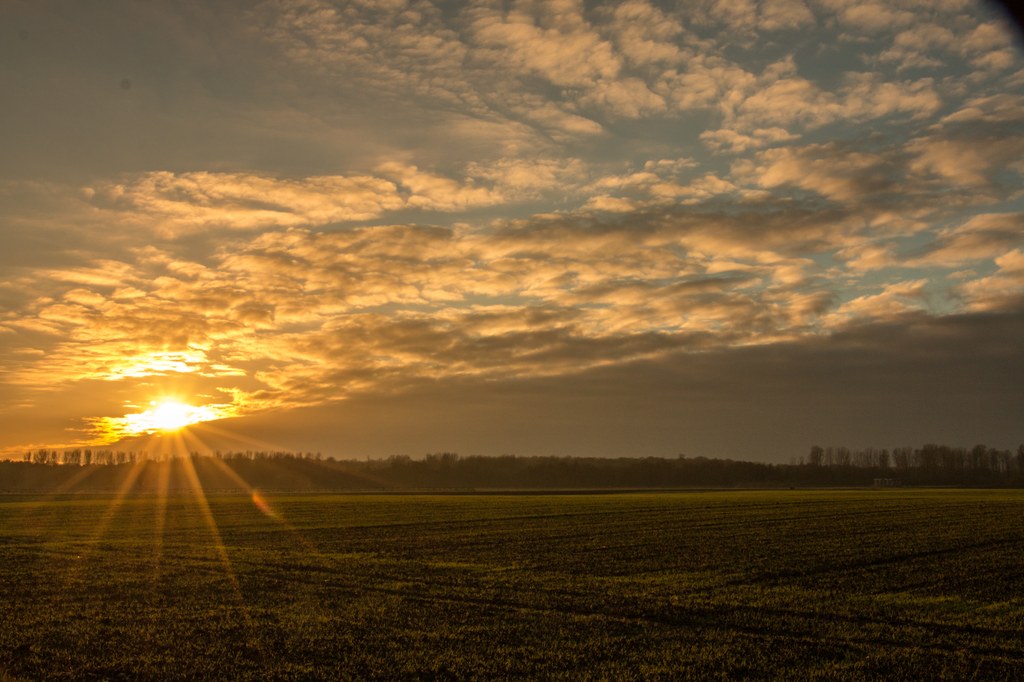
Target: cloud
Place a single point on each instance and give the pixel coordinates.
(1001, 291)
(411, 61)
(551, 40)
(916, 46)
(379, 47)
(977, 148)
(874, 16)
(610, 204)
(987, 35)
(286, 316)
(780, 98)
(395, 195)
(588, 61)
(986, 45)
(750, 16)
(868, 255)
(529, 178)
(658, 183)
(982, 237)
(866, 96)
(989, 46)
(787, 99)
(191, 202)
(831, 170)
(736, 142)
(736, 15)
(776, 15)
(707, 81)
(895, 300)
(431, 191)
(645, 35)
(954, 378)
(555, 119)
(177, 204)
(968, 161)
(298, 317)
(628, 97)
(99, 273)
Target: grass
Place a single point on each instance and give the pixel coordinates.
(903, 584)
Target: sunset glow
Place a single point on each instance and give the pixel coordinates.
(168, 415)
(163, 416)
(617, 228)
(603, 339)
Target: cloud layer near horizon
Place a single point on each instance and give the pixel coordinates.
(308, 206)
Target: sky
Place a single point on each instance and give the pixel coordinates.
(722, 228)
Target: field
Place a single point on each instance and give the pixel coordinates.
(903, 584)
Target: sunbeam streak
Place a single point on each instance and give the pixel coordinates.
(258, 500)
(116, 504)
(199, 496)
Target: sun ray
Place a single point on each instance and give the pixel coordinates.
(160, 519)
(163, 468)
(216, 430)
(256, 443)
(199, 495)
(260, 502)
(91, 545)
(264, 506)
(257, 497)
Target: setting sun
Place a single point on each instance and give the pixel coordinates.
(167, 415)
(164, 415)
(171, 416)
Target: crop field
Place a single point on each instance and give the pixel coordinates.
(902, 584)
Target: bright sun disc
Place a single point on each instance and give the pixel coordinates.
(167, 415)
(172, 416)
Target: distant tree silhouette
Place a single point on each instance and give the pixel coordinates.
(931, 464)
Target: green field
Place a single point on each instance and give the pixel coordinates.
(904, 584)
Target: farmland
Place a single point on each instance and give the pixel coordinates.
(911, 584)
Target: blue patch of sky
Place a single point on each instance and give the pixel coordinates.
(755, 56)
(827, 62)
(661, 137)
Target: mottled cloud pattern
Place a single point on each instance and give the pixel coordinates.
(633, 213)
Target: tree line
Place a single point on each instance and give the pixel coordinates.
(280, 470)
(930, 458)
(106, 457)
(930, 464)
